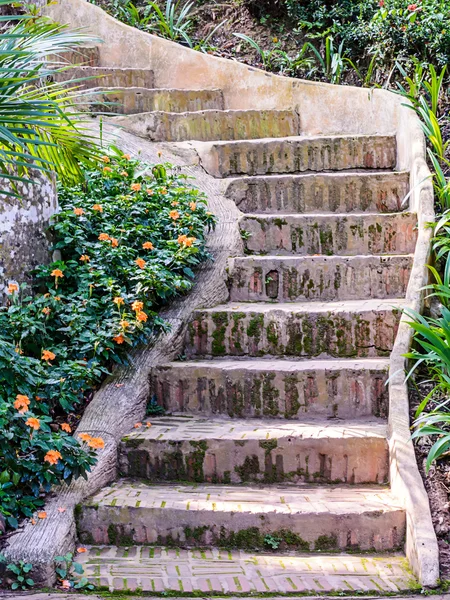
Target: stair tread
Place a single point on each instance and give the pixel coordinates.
(156, 569)
(284, 364)
(180, 427)
(326, 215)
(319, 257)
(286, 499)
(302, 138)
(356, 306)
(341, 174)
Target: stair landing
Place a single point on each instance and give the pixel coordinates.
(214, 571)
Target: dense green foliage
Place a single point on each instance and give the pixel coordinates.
(129, 237)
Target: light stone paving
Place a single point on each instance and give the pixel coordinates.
(155, 569)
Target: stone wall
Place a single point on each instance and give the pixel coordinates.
(24, 243)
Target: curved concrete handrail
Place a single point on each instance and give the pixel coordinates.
(323, 109)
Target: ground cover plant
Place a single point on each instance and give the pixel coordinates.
(130, 236)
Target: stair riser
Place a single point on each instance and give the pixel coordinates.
(137, 100)
(290, 459)
(295, 156)
(107, 77)
(212, 125)
(368, 334)
(320, 193)
(350, 235)
(86, 56)
(373, 530)
(270, 393)
(318, 278)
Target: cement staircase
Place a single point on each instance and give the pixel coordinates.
(270, 472)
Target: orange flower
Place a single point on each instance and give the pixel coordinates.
(147, 246)
(52, 457)
(107, 170)
(182, 239)
(57, 273)
(103, 237)
(150, 192)
(174, 214)
(57, 298)
(81, 550)
(119, 339)
(136, 187)
(84, 258)
(148, 424)
(140, 262)
(18, 350)
(66, 427)
(46, 310)
(85, 437)
(12, 288)
(189, 241)
(137, 425)
(42, 514)
(141, 316)
(48, 355)
(96, 443)
(124, 324)
(124, 174)
(192, 205)
(174, 203)
(78, 211)
(33, 423)
(21, 403)
(114, 242)
(118, 300)
(106, 159)
(137, 305)
(33, 521)
(163, 191)
(126, 156)
(98, 208)
(65, 584)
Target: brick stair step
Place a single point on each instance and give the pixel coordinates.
(211, 125)
(177, 448)
(107, 77)
(343, 234)
(313, 518)
(134, 100)
(297, 154)
(232, 572)
(356, 191)
(352, 328)
(268, 388)
(297, 278)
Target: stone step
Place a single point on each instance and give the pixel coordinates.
(343, 192)
(107, 77)
(211, 125)
(200, 573)
(298, 154)
(199, 449)
(353, 328)
(298, 278)
(293, 389)
(134, 100)
(328, 234)
(310, 518)
(81, 55)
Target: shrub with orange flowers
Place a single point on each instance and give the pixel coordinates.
(120, 263)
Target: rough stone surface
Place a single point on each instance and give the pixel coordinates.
(316, 329)
(362, 191)
(293, 389)
(297, 154)
(309, 517)
(212, 125)
(87, 56)
(201, 450)
(229, 572)
(327, 234)
(94, 77)
(299, 278)
(138, 100)
(23, 223)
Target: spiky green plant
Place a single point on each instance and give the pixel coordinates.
(40, 125)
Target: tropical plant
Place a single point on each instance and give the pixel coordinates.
(173, 22)
(70, 572)
(19, 578)
(40, 126)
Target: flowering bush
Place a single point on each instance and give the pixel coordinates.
(129, 239)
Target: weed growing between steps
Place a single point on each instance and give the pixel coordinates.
(129, 238)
